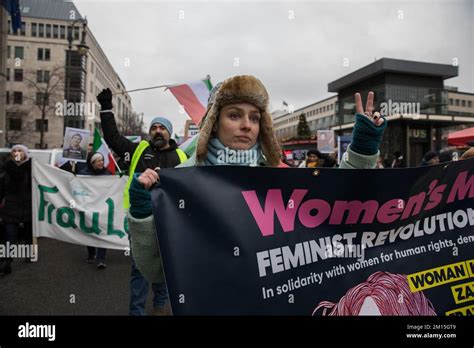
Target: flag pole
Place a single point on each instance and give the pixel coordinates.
(113, 158)
(208, 77)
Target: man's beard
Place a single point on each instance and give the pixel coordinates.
(159, 141)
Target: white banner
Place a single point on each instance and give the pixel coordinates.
(84, 210)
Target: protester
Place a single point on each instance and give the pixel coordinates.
(448, 156)
(284, 159)
(430, 158)
(311, 160)
(469, 153)
(95, 166)
(159, 151)
(314, 158)
(237, 118)
(16, 202)
(75, 167)
(398, 160)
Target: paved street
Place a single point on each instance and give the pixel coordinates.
(45, 287)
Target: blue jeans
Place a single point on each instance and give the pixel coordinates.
(139, 292)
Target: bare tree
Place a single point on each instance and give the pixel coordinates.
(49, 87)
(45, 90)
(131, 125)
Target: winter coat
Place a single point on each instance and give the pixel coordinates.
(90, 171)
(151, 157)
(15, 192)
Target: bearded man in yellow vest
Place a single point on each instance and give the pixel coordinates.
(159, 151)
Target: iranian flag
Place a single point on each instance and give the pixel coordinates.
(100, 146)
(193, 96)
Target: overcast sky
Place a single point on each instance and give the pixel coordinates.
(295, 48)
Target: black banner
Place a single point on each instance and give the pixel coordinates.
(269, 241)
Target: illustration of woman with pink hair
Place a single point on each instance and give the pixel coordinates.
(382, 294)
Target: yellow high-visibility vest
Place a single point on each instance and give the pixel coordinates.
(133, 165)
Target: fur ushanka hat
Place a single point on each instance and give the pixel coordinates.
(240, 89)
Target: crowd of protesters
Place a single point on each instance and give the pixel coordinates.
(237, 117)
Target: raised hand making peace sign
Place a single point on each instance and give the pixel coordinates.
(369, 108)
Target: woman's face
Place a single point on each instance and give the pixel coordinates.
(18, 155)
(98, 163)
(238, 126)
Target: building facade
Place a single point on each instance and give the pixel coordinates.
(422, 111)
(3, 70)
(48, 86)
(320, 115)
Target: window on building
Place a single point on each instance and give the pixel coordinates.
(9, 51)
(41, 30)
(76, 33)
(19, 52)
(92, 86)
(62, 32)
(41, 124)
(450, 101)
(42, 76)
(14, 123)
(17, 98)
(18, 75)
(55, 31)
(22, 30)
(34, 29)
(41, 98)
(469, 103)
(8, 74)
(456, 101)
(48, 31)
(463, 103)
(7, 98)
(44, 54)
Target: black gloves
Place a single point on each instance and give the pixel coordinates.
(105, 99)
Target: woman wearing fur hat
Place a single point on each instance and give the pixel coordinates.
(95, 166)
(15, 196)
(237, 119)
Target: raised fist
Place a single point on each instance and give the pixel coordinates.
(105, 99)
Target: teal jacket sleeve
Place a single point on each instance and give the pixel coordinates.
(145, 248)
(354, 160)
(363, 151)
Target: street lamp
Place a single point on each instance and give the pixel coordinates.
(82, 50)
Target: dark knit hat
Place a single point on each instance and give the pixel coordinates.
(430, 155)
